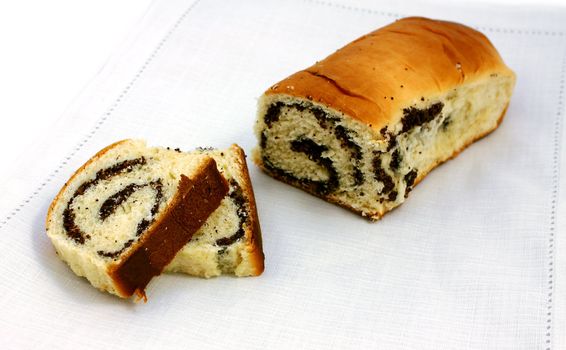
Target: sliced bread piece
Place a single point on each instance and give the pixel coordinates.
(124, 215)
(229, 242)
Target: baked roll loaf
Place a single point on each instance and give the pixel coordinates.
(229, 242)
(363, 126)
(124, 215)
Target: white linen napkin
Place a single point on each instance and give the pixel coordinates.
(474, 259)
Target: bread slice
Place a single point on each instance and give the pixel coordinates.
(363, 126)
(123, 216)
(229, 242)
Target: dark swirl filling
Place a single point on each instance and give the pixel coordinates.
(412, 118)
(110, 204)
(347, 141)
(109, 207)
(237, 196)
(73, 231)
(314, 151)
(410, 178)
(382, 176)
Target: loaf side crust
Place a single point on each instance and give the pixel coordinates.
(253, 232)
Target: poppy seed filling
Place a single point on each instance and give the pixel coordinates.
(110, 205)
(385, 115)
(238, 198)
(382, 169)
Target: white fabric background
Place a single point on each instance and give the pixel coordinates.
(50, 51)
(471, 261)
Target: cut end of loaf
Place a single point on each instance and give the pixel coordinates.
(345, 161)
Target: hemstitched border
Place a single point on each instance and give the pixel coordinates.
(397, 15)
(124, 92)
(104, 117)
(556, 151)
(553, 207)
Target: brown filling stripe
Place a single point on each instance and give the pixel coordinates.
(71, 228)
(194, 201)
(237, 196)
(412, 118)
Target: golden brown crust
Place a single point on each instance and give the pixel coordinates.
(373, 78)
(253, 231)
(193, 203)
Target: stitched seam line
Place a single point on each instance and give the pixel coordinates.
(124, 92)
(398, 15)
(556, 152)
(105, 116)
(554, 198)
